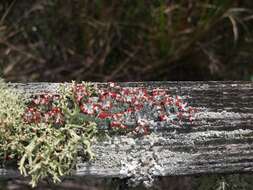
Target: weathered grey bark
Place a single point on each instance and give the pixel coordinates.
(220, 139)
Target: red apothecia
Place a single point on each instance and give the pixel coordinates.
(134, 109)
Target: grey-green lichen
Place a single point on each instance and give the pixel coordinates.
(42, 150)
(11, 108)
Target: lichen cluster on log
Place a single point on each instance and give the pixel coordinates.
(219, 140)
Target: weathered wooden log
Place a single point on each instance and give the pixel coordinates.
(219, 140)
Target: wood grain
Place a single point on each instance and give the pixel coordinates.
(220, 140)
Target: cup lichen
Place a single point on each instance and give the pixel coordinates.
(46, 135)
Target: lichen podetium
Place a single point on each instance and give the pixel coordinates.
(47, 133)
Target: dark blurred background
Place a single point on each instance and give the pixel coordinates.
(124, 40)
(128, 40)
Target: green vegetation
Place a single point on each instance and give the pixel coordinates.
(125, 40)
(42, 149)
(11, 108)
(64, 40)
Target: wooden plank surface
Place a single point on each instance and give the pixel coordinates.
(220, 139)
